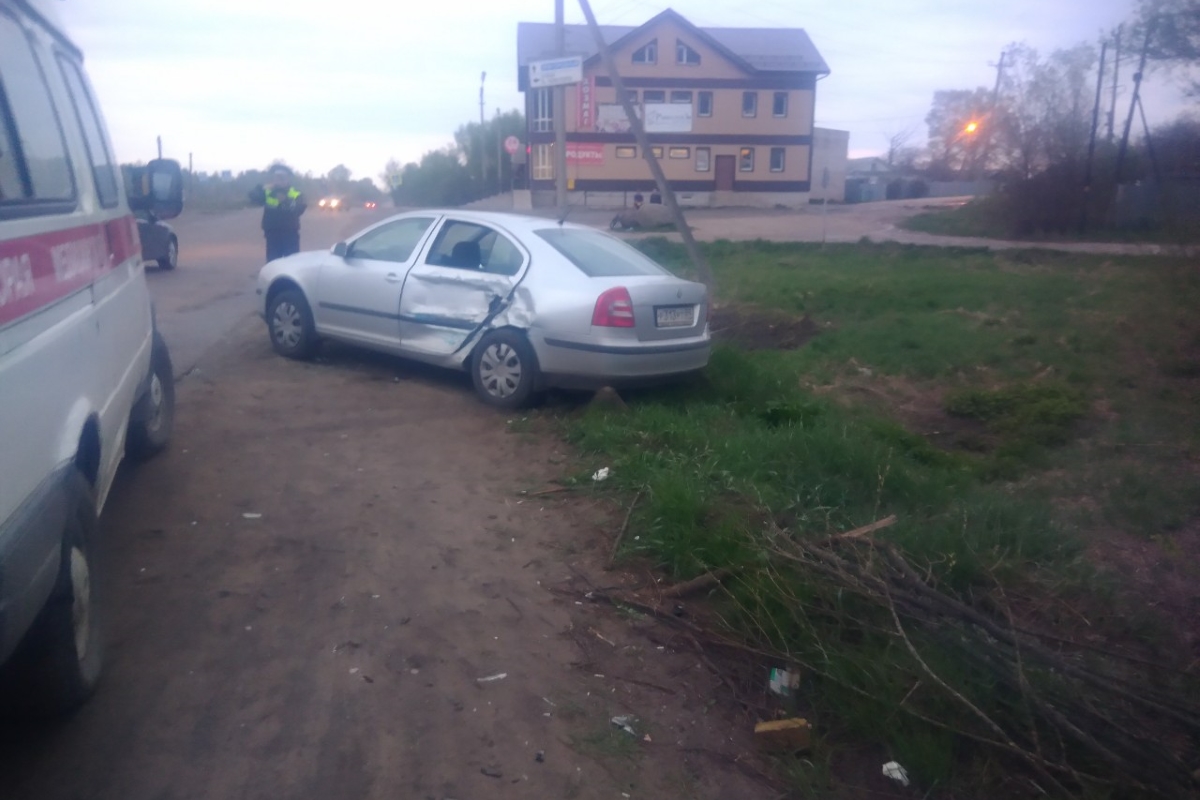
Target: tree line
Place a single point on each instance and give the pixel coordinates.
(1050, 132)
(475, 165)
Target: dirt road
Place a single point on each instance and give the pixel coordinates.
(331, 586)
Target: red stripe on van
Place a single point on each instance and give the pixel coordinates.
(36, 271)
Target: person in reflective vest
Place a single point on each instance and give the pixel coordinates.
(282, 206)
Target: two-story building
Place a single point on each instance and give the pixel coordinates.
(728, 111)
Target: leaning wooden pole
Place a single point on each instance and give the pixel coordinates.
(703, 273)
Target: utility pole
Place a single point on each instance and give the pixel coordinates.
(703, 273)
(191, 175)
(1087, 178)
(1137, 88)
(1112, 109)
(990, 123)
(499, 155)
(482, 78)
(483, 159)
(159, 147)
(560, 116)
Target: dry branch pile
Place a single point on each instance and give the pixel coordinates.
(1079, 719)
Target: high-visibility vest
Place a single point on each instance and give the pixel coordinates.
(273, 202)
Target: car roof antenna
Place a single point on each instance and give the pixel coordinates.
(566, 213)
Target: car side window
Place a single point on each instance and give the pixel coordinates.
(34, 167)
(503, 257)
(468, 245)
(103, 170)
(394, 241)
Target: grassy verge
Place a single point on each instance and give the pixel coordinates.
(1007, 408)
(983, 218)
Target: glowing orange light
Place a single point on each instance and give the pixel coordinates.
(972, 127)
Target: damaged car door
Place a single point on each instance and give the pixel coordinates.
(358, 295)
(464, 282)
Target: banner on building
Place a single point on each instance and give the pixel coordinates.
(585, 153)
(610, 118)
(668, 117)
(587, 104)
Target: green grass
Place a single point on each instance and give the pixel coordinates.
(983, 218)
(1064, 364)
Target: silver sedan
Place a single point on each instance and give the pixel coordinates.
(522, 303)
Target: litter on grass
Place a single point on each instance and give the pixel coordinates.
(625, 723)
(896, 772)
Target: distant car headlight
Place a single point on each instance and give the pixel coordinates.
(334, 203)
(321, 203)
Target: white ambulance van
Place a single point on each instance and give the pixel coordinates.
(84, 377)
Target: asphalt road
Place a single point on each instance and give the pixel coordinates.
(200, 301)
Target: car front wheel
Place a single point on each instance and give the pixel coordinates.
(153, 416)
(290, 322)
(504, 369)
(170, 259)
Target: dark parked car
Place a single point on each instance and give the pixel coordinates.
(159, 242)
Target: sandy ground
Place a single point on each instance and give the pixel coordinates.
(304, 592)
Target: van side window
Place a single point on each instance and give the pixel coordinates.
(85, 111)
(34, 168)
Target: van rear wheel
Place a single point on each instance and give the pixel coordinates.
(57, 665)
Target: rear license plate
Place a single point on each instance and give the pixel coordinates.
(674, 316)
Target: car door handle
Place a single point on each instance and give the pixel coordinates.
(393, 277)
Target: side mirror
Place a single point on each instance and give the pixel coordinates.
(158, 189)
(341, 249)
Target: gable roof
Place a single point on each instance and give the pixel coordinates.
(754, 49)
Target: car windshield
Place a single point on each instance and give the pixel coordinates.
(599, 255)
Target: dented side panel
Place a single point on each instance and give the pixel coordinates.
(442, 307)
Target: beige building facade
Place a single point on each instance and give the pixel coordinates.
(728, 113)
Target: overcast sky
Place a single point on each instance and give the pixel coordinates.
(317, 83)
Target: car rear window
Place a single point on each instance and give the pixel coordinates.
(599, 255)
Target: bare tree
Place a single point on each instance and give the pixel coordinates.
(1175, 43)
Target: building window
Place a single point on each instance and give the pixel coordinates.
(543, 162)
(683, 98)
(779, 104)
(654, 96)
(680, 152)
(685, 54)
(703, 159)
(749, 104)
(656, 151)
(543, 110)
(646, 54)
(704, 104)
(777, 159)
(746, 159)
(624, 151)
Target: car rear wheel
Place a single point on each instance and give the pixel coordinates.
(290, 322)
(171, 259)
(153, 416)
(57, 665)
(504, 369)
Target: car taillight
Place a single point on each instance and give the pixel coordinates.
(614, 309)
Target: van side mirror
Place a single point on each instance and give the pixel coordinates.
(158, 188)
(341, 249)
